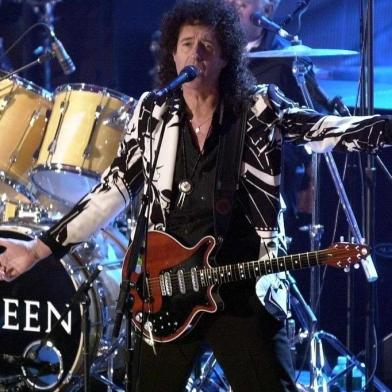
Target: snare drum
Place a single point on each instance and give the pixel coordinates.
(32, 303)
(24, 112)
(79, 143)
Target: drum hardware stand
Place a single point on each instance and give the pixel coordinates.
(198, 381)
(299, 71)
(85, 302)
(107, 357)
(339, 347)
(108, 382)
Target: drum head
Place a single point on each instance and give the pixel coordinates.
(29, 310)
(67, 186)
(32, 304)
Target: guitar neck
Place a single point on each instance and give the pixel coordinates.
(255, 269)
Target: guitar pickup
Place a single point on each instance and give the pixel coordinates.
(168, 284)
(195, 282)
(181, 281)
(162, 285)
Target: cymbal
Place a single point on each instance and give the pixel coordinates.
(301, 51)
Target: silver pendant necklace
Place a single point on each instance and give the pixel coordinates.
(198, 128)
(185, 186)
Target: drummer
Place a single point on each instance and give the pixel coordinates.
(276, 70)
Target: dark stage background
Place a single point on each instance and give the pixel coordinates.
(109, 42)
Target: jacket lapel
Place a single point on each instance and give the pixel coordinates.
(167, 126)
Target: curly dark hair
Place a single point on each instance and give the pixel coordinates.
(236, 81)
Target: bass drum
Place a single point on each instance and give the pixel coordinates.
(32, 303)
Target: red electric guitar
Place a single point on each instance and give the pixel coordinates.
(181, 284)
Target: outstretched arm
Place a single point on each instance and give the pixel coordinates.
(324, 133)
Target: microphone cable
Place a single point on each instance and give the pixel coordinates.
(23, 35)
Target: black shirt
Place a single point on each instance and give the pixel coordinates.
(195, 219)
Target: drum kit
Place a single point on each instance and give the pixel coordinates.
(53, 149)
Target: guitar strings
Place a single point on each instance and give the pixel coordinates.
(273, 262)
(214, 271)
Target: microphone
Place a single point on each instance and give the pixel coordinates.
(62, 56)
(188, 73)
(260, 20)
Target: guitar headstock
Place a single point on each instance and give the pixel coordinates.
(345, 254)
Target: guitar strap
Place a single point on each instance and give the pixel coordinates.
(230, 149)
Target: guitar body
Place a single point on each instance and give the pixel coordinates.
(174, 314)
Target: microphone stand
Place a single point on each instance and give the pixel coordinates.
(125, 299)
(367, 107)
(302, 6)
(45, 14)
(40, 60)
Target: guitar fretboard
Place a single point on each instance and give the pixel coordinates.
(182, 282)
(258, 268)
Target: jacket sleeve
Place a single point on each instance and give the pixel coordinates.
(324, 133)
(109, 197)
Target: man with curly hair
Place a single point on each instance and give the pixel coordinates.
(217, 176)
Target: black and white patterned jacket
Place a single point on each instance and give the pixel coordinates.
(271, 119)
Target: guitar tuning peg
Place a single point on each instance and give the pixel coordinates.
(341, 238)
(346, 268)
(356, 265)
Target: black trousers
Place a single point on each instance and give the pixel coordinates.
(253, 352)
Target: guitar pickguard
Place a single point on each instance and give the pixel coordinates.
(179, 311)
